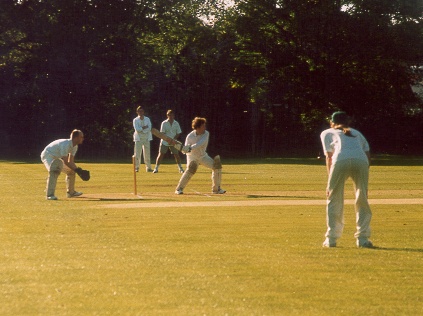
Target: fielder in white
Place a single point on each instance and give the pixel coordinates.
(347, 155)
(172, 129)
(58, 156)
(142, 138)
(195, 147)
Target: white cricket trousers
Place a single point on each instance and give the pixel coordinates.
(54, 168)
(143, 147)
(206, 161)
(358, 171)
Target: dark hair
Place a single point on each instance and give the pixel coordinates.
(341, 121)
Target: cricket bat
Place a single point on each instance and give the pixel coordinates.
(166, 138)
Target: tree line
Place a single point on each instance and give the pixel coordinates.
(265, 73)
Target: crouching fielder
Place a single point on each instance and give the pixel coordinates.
(195, 148)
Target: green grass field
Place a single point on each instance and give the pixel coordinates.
(110, 252)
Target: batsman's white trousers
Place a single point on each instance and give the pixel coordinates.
(358, 171)
(206, 161)
(143, 147)
(54, 167)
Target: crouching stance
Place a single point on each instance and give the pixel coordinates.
(58, 157)
(195, 147)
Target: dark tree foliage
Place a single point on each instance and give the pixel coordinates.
(265, 73)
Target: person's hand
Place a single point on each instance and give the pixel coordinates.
(83, 174)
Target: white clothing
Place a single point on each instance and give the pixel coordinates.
(140, 133)
(51, 157)
(349, 160)
(56, 150)
(170, 130)
(344, 147)
(198, 144)
(142, 147)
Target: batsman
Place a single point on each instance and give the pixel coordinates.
(195, 148)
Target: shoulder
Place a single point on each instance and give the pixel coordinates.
(327, 132)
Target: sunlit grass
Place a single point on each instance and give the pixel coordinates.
(80, 257)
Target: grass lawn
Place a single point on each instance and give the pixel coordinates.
(104, 254)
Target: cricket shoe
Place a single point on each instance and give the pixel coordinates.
(181, 170)
(364, 244)
(329, 243)
(220, 191)
(179, 192)
(155, 171)
(74, 194)
(52, 198)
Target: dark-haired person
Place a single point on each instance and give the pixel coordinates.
(58, 156)
(142, 138)
(196, 143)
(347, 156)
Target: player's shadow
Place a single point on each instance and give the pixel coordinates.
(109, 199)
(398, 249)
(253, 196)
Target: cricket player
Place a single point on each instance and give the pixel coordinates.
(171, 128)
(142, 138)
(58, 156)
(347, 156)
(195, 147)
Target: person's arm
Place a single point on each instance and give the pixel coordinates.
(368, 157)
(137, 125)
(202, 142)
(328, 161)
(147, 127)
(69, 161)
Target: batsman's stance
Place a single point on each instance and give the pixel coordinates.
(347, 155)
(195, 148)
(57, 157)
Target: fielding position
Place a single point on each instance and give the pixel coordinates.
(347, 155)
(142, 138)
(58, 156)
(195, 148)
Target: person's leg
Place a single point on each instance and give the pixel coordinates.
(175, 153)
(335, 201)
(70, 182)
(162, 151)
(192, 166)
(137, 154)
(53, 174)
(146, 152)
(360, 177)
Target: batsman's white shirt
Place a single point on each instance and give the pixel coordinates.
(198, 145)
(56, 150)
(141, 134)
(170, 130)
(344, 147)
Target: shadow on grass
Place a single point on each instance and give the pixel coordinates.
(108, 199)
(252, 196)
(398, 249)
